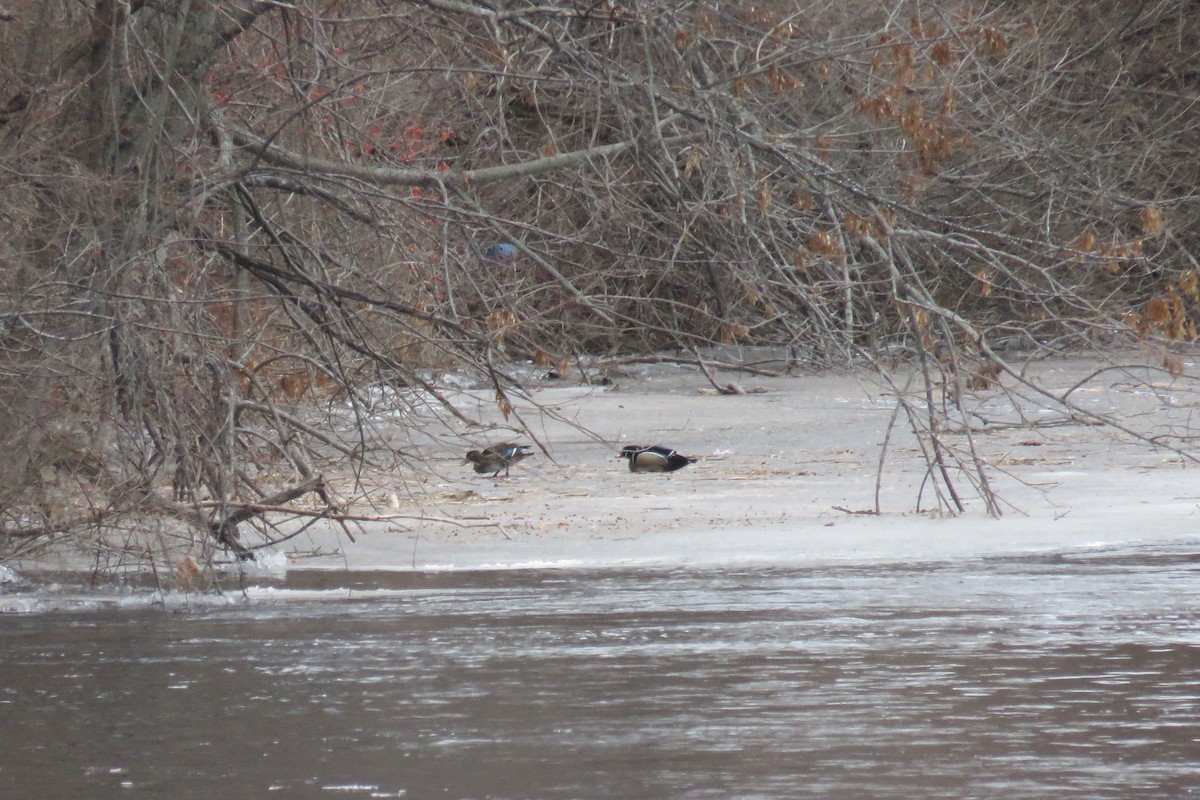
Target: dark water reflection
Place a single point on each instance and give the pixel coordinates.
(1072, 676)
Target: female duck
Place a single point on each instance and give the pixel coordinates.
(498, 457)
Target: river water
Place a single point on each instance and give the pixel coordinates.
(1069, 675)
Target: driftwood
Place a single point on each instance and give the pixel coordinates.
(732, 388)
(728, 366)
(723, 388)
(221, 520)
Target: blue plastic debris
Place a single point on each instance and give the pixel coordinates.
(501, 251)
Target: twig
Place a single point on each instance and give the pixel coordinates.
(864, 512)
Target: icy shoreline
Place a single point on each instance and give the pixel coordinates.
(786, 477)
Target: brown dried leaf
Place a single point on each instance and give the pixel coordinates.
(1085, 242)
(824, 243)
(995, 43)
(1152, 221)
(1173, 364)
(1189, 284)
(824, 146)
(942, 54)
(948, 103)
(985, 283)
(1158, 311)
(731, 331)
(984, 376)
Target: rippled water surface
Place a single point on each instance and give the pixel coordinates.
(1069, 676)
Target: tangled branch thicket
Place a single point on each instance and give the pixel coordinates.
(220, 218)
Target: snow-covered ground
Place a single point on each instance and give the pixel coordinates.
(785, 476)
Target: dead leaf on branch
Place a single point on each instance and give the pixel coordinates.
(1173, 364)
(1152, 221)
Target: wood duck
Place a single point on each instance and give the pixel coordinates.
(498, 457)
(654, 458)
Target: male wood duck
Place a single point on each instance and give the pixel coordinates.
(654, 458)
(498, 457)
